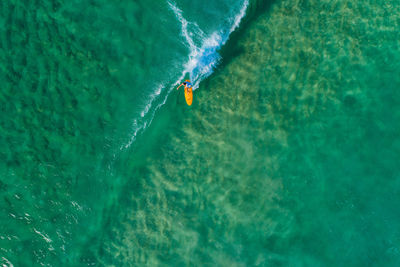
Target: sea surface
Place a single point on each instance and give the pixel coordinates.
(289, 155)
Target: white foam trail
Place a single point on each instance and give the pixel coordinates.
(136, 124)
(206, 59)
(211, 44)
(133, 135)
(184, 25)
(152, 98)
(239, 16)
(202, 60)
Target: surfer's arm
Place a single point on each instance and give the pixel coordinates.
(179, 86)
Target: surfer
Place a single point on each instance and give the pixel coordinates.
(188, 91)
(187, 84)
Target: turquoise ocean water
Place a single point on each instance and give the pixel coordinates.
(287, 157)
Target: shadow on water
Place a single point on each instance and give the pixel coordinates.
(231, 50)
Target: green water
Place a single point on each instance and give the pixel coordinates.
(287, 157)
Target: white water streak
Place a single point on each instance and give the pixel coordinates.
(184, 25)
(143, 114)
(239, 16)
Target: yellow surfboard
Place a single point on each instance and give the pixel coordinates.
(189, 95)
